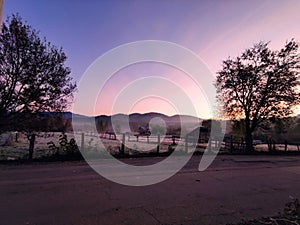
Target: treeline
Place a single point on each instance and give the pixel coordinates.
(284, 129)
(37, 122)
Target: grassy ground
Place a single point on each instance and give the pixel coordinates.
(289, 216)
(13, 150)
(18, 150)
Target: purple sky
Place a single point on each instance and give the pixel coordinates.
(212, 29)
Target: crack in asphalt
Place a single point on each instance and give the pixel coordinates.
(157, 220)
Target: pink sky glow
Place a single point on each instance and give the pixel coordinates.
(214, 30)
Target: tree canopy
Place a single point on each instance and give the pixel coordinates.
(260, 84)
(33, 75)
(33, 78)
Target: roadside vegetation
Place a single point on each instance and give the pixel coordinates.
(289, 216)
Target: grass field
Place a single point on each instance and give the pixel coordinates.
(10, 149)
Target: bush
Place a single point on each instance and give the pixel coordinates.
(65, 147)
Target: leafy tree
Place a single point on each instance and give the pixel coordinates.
(208, 124)
(33, 75)
(260, 84)
(238, 128)
(101, 125)
(157, 129)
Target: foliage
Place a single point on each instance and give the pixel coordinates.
(238, 128)
(278, 129)
(157, 129)
(293, 134)
(209, 123)
(101, 125)
(33, 77)
(65, 147)
(260, 84)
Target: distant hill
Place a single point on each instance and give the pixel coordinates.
(137, 120)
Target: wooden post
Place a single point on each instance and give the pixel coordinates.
(285, 145)
(147, 138)
(31, 146)
(242, 147)
(123, 144)
(209, 145)
(173, 139)
(16, 136)
(158, 143)
(82, 141)
(270, 143)
(186, 144)
(231, 143)
(274, 147)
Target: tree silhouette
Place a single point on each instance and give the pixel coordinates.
(260, 84)
(33, 77)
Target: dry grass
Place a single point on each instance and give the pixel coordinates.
(19, 150)
(289, 216)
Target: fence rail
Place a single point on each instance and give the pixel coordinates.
(230, 144)
(170, 141)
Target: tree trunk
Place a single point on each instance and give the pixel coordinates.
(273, 145)
(249, 142)
(269, 143)
(31, 146)
(248, 136)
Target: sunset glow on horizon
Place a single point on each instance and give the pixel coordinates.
(214, 30)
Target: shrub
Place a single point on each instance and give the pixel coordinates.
(65, 147)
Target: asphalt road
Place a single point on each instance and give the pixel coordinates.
(63, 193)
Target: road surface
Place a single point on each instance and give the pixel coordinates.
(231, 189)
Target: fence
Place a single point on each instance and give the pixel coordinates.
(234, 144)
(281, 146)
(162, 144)
(237, 144)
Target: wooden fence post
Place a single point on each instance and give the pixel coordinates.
(16, 136)
(285, 145)
(186, 144)
(274, 145)
(173, 140)
(82, 141)
(243, 146)
(158, 143)
(31, 146)
(231, 143)
(123, 145)
(209, 145)
(269, 144)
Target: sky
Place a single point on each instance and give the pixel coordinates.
(213, 30)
